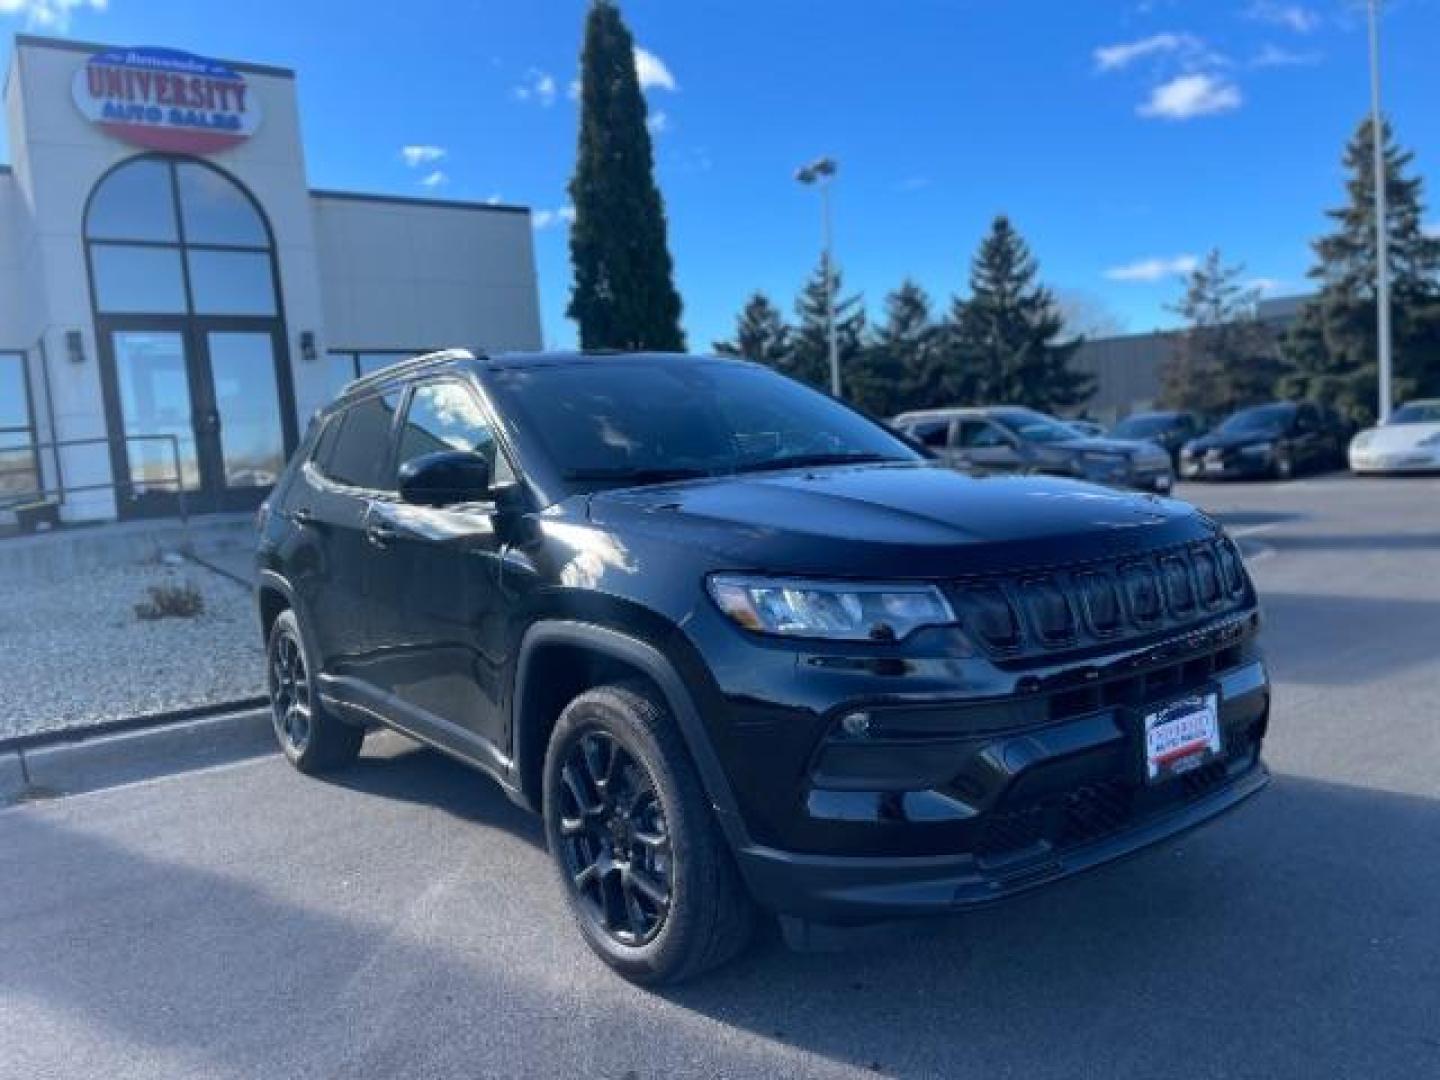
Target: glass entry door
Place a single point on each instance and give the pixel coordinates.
(212, 386)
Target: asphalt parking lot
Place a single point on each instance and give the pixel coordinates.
(400, 919)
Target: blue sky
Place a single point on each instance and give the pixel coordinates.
(1124, 137)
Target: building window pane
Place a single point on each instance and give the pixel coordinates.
(137, 278)
(231, 283)
(14, 393)
(134, 203)
(339, 370)
(215, 211)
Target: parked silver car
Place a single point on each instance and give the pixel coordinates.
(1016, 440)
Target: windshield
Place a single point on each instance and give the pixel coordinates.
(1260, 418)
(1036, 427)
(636, 423)
(1418, 412)
(1142, 427)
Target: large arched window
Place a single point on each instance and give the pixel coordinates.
(178, 237)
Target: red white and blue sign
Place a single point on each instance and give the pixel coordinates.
(164, 99)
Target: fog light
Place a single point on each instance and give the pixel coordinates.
(856, 725)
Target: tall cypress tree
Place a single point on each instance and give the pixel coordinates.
(761, 334)
(1007, 331)
(910, 344)
(1332, 350)
(623, 296)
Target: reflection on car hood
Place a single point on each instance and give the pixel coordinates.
(1393, 437)
(1228, 440)
(903, 521)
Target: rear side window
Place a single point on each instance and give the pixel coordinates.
(355, 445)
(932, 433)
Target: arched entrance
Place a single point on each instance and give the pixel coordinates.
(191, 336)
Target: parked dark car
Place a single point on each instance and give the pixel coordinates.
(1014, 440)
(1280, 440)
(1170, 430)
(744, 649)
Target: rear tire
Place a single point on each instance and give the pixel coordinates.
(311, 738)
(640, 856)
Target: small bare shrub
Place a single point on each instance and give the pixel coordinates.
(181, 601)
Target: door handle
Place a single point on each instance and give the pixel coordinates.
(380, 535)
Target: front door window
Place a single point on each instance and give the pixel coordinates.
(247, 406)
(153, 377)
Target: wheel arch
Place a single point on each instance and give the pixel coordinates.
(561, 658)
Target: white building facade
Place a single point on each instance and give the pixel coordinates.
(176, 301)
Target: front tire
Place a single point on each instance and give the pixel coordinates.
(312, 739)
(647, 873)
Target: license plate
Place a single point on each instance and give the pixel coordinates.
(1184, 735)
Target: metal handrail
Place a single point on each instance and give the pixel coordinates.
(177, 477)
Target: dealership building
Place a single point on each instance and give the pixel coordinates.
(176, 300)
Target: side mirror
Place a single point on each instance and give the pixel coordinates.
(445, 478)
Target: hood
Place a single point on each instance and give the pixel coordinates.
(1228, 440)
(1390, 438)
(899, 521)
(1105, 445)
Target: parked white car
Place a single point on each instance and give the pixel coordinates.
(1408, 442)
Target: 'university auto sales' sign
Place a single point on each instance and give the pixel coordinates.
(163, 99)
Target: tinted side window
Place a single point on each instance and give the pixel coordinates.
(361, 446)
(981, 435)
(447, 416)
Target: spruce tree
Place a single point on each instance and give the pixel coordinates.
(1007, 331)
(623, 296)
(1332, 350)
(1225, 357)
(810, 353)
(910, 346)
(761, 334)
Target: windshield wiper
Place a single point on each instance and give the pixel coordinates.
(801, 461)
(625, 475)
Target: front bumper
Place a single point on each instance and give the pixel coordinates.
(1399, 461)
(853, 891)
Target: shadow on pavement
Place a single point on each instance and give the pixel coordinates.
(1297, 937)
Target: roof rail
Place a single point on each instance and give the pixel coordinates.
(408, 366)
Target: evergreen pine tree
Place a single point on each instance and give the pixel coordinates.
(623, 296)
(1006, 332)
(1225, 358)
(761, 334)
(911, 347)
(1332, 350)
(810, 353)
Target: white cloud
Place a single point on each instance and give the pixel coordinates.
(1120, 56)
(1294, 17)
(415, 155)
(658, 122)
(1154, 269)
(913, 183)
(538, 86)
(49, 14)
(1273, 56)
(544, 219)
(1189, 96)
(651, 71)
(434, 179)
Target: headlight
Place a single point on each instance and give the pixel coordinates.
(1260, 450)
(1361, 441)
(837, 610)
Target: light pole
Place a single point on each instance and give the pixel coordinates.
(1382, 230)
(820, 173)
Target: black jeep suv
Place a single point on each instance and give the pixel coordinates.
(742, 647)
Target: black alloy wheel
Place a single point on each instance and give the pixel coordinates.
(290, 695)
(310, 737)
(614, 840)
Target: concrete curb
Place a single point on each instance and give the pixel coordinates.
(72, 766)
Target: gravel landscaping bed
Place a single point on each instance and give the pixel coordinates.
(74, 653)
